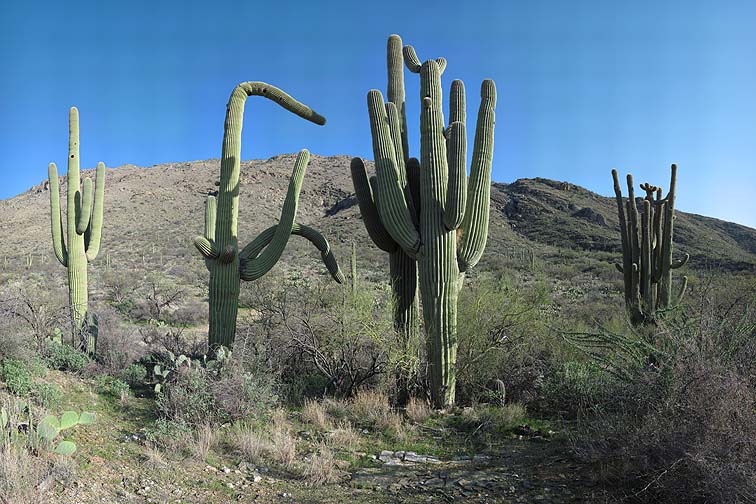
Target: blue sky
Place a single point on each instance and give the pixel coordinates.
(584, 85)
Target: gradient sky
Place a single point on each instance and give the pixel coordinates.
(584, 85)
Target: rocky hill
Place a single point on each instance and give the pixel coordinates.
(152, 214)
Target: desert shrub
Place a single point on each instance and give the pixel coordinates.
(187, 398)
(117, 345)
(503, 335)
(681, 427)
(64, 357)
(134, 374)
(20, 475)
(320, 338)
(215, 393)
(112, 386)
(17, 377)
(205, 439)
(576, 388)
(173, 437)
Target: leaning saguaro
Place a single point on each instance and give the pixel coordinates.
(84, 210)
(219, 245)
(647, 249)
(428, 208)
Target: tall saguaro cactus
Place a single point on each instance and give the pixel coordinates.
(84, 211)
(219, 245)
(647, 249)
(428, 208)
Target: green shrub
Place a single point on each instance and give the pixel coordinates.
(169, 435)
(17, 377)
(575, 388)
(47, 394)
(64, 357)
(134, 374)
(187, 397)
(111, 386)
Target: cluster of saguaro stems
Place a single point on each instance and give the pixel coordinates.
(647, 249)
(84, 210)
(429, 209)
(219, 245)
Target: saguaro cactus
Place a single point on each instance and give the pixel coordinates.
(427, 208)
(84, 212)
(647, 249)
(219, 245)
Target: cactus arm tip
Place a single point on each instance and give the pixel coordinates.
(206, 247)
(257, 88)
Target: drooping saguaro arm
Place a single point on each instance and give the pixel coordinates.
(259, 264)
(475, 223)
(255, 247)
(368, 208)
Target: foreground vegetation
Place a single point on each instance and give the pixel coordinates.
(550, 381)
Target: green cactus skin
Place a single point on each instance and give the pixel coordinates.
(647, 250)
(84, 216)
(219, 245)
(451, 212)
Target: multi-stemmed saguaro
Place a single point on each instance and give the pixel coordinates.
(84, 211)
(219, 244)
(646, 237)
(428, 208)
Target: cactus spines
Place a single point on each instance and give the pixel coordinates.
(219, 243)
(647, 249)
(449, 234)
(84, 217)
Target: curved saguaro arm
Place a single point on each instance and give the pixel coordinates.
(368, 208)
(83, 223)
(219, 243)
(259, 264)
(647, 250)
(252, 251)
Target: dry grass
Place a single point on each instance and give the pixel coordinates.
(154, 460)
(283, 444)
(204, 440)
(344, 437)
(370, 405)
(336, 408)
(250, 443)
(418, 410)
(314, 413)
(20, 476)
(321, 469)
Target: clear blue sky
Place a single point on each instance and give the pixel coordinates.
(584, 86)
